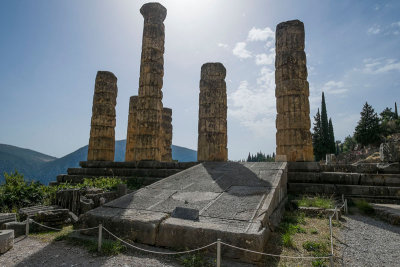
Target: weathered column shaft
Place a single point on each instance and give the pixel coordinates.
(212, 139)
(147, 140)
(293, 137)
(132, 129)
(166, 153)
(102, 133)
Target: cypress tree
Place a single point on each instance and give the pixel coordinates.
(325, 144)
(368, 129)
(316, 137)
(396, 115)
(332, 145)
(249, 158)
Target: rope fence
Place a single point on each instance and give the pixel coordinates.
(219, 243)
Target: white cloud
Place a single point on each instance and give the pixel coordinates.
(254, 107)
(240, 50)
(265, 59)
(396, 28)
(223, 45)
(260, 34)
(374, 30)
(334, 88)
(380, 65)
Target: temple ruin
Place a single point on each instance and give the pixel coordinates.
(132, 128)
(212, 139)
(166, 129)
(102, 133)
(147, 139)
(293, 137)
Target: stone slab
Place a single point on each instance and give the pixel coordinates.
(6, 240)
(185, 213)
(388, 212)
(7, 217)
(236, 202)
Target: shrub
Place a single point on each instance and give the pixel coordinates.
(364, 206)
(317, 201)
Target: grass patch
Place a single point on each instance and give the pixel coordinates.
(314, 231)
(290, 225)
(108, 247)
(195, 260)
(364, 206)
(49, 236)
(317, 249)
(317, 201)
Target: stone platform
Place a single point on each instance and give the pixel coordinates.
(237, 202)
(142, 172)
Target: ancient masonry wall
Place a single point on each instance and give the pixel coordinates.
(132, 128)
(147, 140)
(166, 125)
(293, 137)
(212, 139)
(102, 133)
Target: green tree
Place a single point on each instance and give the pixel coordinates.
(324, 127)
(368, 129)
(317, 137)
(332, 144)
(349, 144)
(395, 111)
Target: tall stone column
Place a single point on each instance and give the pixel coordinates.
(293, 137)
(102, 134)
(166, 154)
(132, 129)
(212, 139)
(147, 141)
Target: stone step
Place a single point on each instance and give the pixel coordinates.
(388, 212)
(344, 178)
(347, 190)
(137, 164)
(76, 179)
(107, 172)
(393, 168)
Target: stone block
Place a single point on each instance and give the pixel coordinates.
(6, 240)
(7, 217)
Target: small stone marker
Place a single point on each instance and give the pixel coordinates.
(122, 190)
(6, 240)
(185, 213)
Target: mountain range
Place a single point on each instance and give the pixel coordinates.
(44, 168)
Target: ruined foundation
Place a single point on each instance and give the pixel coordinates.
(293, 137)
(102, 134)
(166, 153)
(212, 139)
(147, 141)
(132, 129)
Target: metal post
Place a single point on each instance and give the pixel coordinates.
(345, 206)
(27, 227)
(100, 237)
(331, 260)
(218, 252)
(342, 198)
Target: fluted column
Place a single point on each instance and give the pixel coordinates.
(132, 129)
(147, 144)
(166, 154)
(212, 139)
(102, 133)
(293, 137)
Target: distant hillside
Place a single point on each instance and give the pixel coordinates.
(43, 168)
(24, 160)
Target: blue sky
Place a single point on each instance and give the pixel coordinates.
(50, 52)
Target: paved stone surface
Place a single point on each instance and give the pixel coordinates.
(388, 212)
(236, 202)
(369, 242)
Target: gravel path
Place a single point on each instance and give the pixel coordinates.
(34, 252)
(369, 242)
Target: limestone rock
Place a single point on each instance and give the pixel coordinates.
(132, 129)
(6, 240)
(7, 217)
(166, 127)
(212, 139)
(293, 137)
(102, 134)
(389, 152)
(146, 141)
(54, 218)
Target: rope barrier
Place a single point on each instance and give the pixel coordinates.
(157, 252)
(56, 229)
(273, 255)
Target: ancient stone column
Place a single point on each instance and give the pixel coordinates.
(147, 143)
(102, 134)
(293, 137)
(166, 125)
(212, 139)
(132, 129)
